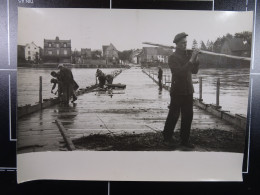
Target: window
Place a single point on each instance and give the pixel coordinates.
(65, 45)
(29, 52)
(57, 44)
(50, 52)
(65, 52)
(58, 52)
(49, 44)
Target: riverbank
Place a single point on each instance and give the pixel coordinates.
(54, 65)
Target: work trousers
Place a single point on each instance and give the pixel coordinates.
(180, 104)
(160, 82)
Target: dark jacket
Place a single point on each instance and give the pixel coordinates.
(182, 71)
(160, 73)
(66, 76)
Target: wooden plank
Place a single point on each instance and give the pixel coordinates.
(65, 136)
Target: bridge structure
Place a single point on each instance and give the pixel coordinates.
(140, 107)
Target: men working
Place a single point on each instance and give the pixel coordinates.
(103, 78)
(182, 67)
(67, 83)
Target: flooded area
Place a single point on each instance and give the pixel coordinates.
(234, 85)
(28, 82)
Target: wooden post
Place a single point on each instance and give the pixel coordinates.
(217, 94)
(200, 88)
(164, 79)
(40, 91)
(65, 136)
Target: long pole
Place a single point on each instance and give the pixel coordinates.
(217, 94)
(201, 51)
(200, 99)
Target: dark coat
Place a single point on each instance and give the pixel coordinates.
(66, 76)
(160, 73)
(182, 71)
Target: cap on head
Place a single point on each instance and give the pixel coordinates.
(179, 36)
(60, 65)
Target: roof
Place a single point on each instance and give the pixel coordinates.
(237, 44)
(32, 43)
(105, 47)
(57, 40)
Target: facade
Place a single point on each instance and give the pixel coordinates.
(135, 57)
(57, 51)
(110, 53)
(237, 47)
(163, 54)
(155, 54)
(32, 52)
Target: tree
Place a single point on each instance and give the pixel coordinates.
(125, 55)
(209, 45)
(194, 44)
(246, 36)
(203, 46)
(96, 54)
(218, 44)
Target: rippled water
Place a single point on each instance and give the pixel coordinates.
(234, 87)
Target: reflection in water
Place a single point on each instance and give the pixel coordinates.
(67, 113)
(234, 87)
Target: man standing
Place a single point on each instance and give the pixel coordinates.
(182, 67)
(67, 83)
(160, 73)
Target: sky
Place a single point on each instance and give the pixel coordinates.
(126, 29)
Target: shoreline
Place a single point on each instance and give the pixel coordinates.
(54, 65)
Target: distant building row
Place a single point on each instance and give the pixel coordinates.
(59, 51)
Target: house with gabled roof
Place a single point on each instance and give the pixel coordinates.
(31, 52)
(237, 47)
(110, 53)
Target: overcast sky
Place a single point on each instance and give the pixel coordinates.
(126, 29)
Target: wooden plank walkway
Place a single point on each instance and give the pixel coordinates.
(141, 107)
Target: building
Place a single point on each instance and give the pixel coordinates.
(149, 54)
(237, 47)
(135, 56)
(32, 52)
(155, 54)
(110, 53)
(163, 54)
(57, 51)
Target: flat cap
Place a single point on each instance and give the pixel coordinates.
(60, 65)
(179, 36)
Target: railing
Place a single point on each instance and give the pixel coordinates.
(215, 109)
(166, 83)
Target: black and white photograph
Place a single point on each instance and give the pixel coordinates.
(132, 81)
